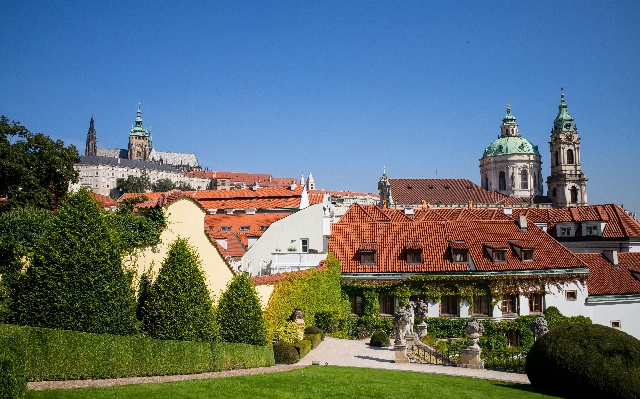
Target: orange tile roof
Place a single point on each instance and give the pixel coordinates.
(104, 200)
(606, 279)
(344, 193)
(619, 223)
(157, 199)
(249, 193)
(258, 203)
(435, 237)
(372, 213)
(445, 191)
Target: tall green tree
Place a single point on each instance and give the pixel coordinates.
(240, 314)
(184, 186)
(76, 280)
(134, 184)
(162, 185)
(35, 169)
(178, 305)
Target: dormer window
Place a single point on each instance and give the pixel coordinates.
(225, 228)
(245, 228)
(565, 231)
(592, 230)
(499, 255)
(413, 252)
(527, 254)
(368, 253)
(459, 252)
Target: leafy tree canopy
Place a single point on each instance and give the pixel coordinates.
(240, 314)
(35, 170)
(162, 185)
(134, 184)
(183, 186)
(178, 305)
(76, 280)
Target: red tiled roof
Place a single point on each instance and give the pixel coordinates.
(391, 237)
(344, 193)
(104, 200)
(371, 213)
(606, 279)
(258, 203)
(619, 223)
(249, 193)
(445, 191)
(157, 199)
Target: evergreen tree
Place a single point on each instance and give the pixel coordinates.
(178, 305)
(240, 314)
(76, 280)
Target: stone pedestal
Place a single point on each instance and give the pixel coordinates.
(470, 358)
(401, 353)
(410, 341)
(421, 330)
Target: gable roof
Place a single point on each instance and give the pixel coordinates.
(444, 191)
(619, 223)
(606, 279)
(371, 213)
(104, 200)
(391, 238)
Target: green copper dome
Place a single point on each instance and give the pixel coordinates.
(510, 145)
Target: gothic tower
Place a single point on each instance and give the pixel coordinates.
(311, 184)
(139, 140)
(567, 185)
(92, 143)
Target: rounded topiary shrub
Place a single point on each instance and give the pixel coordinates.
(285, 353)
(379, 338)
(585, 360)
(314, 330)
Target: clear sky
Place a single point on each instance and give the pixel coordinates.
(337, 88)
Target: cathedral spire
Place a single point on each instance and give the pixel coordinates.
(91, 148)
(564, 121)
(139, 117)
(509, 127)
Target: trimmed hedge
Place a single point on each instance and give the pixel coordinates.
(13, 376)
(285, 353)
(303, 347)
(585, 360)
(240, 316)
(315, 339)
(65, 355)
(380, 339)
(314, 330)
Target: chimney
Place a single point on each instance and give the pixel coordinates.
(522, 222)
(293, 185)
(470, 205)
(612, 256)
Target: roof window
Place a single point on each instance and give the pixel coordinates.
(245, 228)
(225, 228)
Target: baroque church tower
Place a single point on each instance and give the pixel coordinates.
(567, 185)
(139, 140)
(92, 142)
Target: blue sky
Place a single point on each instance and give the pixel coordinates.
(337, 88)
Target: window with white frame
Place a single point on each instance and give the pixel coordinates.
(592, 230)
(304, 245)
(565, 231)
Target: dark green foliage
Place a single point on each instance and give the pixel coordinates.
(162, 185)
(178, 305)
(285, 353)
(68, 355)
(240, 314)
(585, 360)
(134, 184)
(13, 375)
(35, 170)
(380, 339)
(315, 339)
(303, 347)
(184, 186)
(20, 229)
(144, 291)
(334, 322)
(555, 318)
(75, 280)
(314, 330)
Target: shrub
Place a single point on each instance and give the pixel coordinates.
(178, 305)
(315, 339)
(314, 291)
(76, 280)
(13, 376)
(585, 360)
(285, 353)
(303, 347)
(240, 314)
(287, 333)
(314, 330)
(57, 355)
(380, 339)
(332, 322)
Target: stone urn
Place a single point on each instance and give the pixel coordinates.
(473, 330)
(539, 327)
(298, 317)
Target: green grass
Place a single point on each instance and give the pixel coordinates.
(313, 382)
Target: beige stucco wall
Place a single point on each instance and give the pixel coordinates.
(185, 219)
(264, 292)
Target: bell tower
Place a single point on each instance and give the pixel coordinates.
(139, 140)
(92, 144)
(567, 185)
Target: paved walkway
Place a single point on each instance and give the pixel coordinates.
(341, 352)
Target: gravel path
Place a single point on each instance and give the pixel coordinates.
(332, 351)
(340, 352)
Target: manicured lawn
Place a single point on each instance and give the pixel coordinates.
(313, 382)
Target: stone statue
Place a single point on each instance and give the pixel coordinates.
(473, 330)
(422, 310)
(470, 356)
(298, 317)
(401, 325)
(539, 327)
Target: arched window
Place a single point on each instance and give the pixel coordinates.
(554, 192)
(556, 159)
(570, 157)
(524, 180)
(574, 195)
(485, 182)
(502, 181)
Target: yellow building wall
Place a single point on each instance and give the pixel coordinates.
(185, 218)
(264, 293)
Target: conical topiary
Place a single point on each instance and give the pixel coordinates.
(239, 313)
